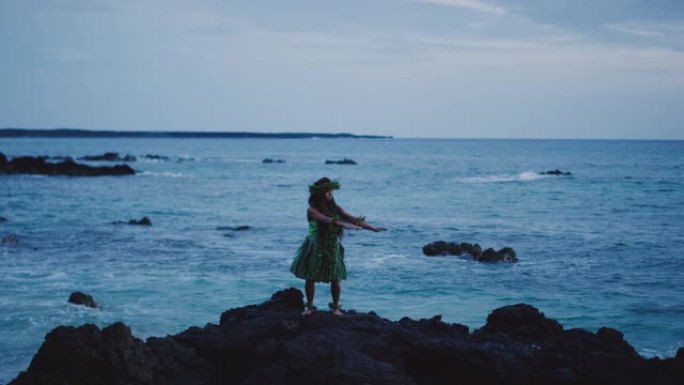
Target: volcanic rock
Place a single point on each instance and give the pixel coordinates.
(555, 172)
(109, 157)
(273, 343)
(343, 161)
(144, 221)
(156, 157)
(38, 165)
(269, 161)
(506, 254)
(79, 298)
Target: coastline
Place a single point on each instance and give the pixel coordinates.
(82, 133)
(272, 343)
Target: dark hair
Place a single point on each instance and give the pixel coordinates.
(329, 209)
(318, 200)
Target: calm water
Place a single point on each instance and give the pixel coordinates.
(602, 247)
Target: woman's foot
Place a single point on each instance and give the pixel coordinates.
(336, 309)
(309, 309)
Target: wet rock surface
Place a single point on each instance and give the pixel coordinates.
(270, 161)
(109, 157)
(272, 343)
(342, 161)
(67, 167)
(144, 221)
(475, 251)
(556, 172)
(80, 298)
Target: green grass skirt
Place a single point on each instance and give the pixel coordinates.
(321, 264)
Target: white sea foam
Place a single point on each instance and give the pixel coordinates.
(164, 174)
(524, 176)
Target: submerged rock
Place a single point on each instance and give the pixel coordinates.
(3, 219)
(38, 165)
(144, 221)
(79, 298)
(156, 157)
(109, 157)
(343, 161)
(506, 254)
(269, 161)
(9, 239)
(234, 228)
(555, 172)
(272, 343)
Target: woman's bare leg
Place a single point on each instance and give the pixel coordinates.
(310, 290)
(335, 290)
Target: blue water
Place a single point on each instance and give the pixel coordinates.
(602, 247)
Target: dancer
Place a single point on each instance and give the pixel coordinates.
(320, 258)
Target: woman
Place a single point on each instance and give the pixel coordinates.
(320, 258)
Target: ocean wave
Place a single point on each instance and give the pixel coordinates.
(524, 176)
(165, 174)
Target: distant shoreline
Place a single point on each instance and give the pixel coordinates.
(81, 133)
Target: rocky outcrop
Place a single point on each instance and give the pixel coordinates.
(273, 343)
(38, 165)
(144, 221)
(555, 172)
(505, 254)
(270, 161)
(343, 161)
(109, 157)
(79, 298)
(156, 157)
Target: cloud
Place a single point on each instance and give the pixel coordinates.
(631, 30)
(473, 5)
(649, 28)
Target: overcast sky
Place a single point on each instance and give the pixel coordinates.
(407, 68)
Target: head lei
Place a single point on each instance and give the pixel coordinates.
(320, 189)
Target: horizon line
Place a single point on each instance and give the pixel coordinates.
(64, 132)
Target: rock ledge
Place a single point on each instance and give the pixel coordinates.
(272, 343)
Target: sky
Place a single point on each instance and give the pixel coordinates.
(594, 69)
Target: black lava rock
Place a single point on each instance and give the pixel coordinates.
(555, 172)
(343, 161)
(79, 298)
(38, 165)
(269, 161)
(144, 221)
(506, 254)
(109, 157)
(156, 157)
(273, 343)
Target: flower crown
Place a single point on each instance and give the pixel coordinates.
(319, 189)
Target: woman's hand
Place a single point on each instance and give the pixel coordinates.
(377, 229)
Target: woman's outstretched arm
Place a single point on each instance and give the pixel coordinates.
(358, 221)
(313, 213)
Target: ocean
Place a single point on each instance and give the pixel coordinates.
(602, 247)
